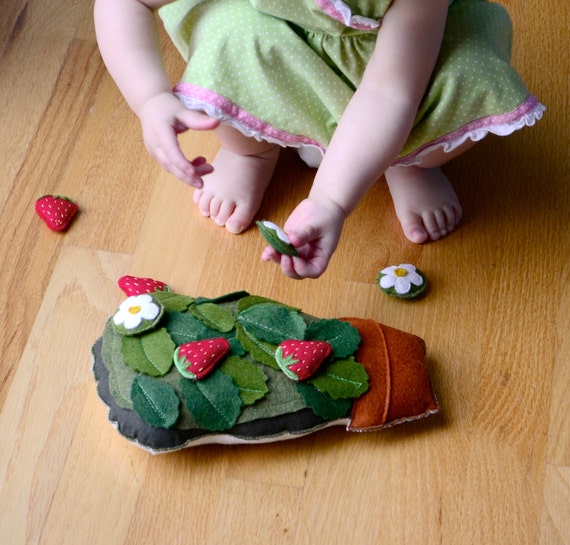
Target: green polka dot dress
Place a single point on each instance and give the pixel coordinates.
(285, 71)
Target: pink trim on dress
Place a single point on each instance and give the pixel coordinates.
(339, 11)
(526, 114)
(311, 151)
(216, 105)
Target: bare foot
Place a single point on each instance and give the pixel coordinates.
(425, 202)
(232, 194)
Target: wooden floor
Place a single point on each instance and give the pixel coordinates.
(494, 468)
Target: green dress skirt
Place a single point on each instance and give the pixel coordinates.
(284, 71)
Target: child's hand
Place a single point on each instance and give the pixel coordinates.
(163, 117)
(314, 228)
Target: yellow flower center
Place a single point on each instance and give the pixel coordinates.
(135, 309)
(400, 272)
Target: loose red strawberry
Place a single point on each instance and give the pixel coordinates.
(133, 285)
(57, 211)
(300, 360)
(197, 359)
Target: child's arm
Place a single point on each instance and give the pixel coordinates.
(371, 133)
(128, 40)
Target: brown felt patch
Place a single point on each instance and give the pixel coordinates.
(400, 388)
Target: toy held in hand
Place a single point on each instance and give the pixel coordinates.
(178, 371)
(277, 238)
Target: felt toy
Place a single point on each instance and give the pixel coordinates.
(56, 211)
(299, 360)
(197, 359)
(134, 285)
(178, 371)
(402, 281)
(276, 237)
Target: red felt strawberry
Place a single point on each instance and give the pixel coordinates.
(197, 359)
(133, 285)
(300, 360)
(57, 211)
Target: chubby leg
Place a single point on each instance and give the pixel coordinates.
(424, 199)
(243, 168)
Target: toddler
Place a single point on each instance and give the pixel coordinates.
(360, 88)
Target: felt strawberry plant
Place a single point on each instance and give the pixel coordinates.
(183, 362)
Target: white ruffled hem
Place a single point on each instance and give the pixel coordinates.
(311, 152)
(454, 140)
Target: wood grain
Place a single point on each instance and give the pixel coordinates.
(493, 468)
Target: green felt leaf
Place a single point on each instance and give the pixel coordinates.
(272, 323)
(261, 351)
(322, 403)
(343, 337)
(214, 316)
(215, 402)
(342, 379)
(155, 402)
(248, 377)
(226, 298)
(251, 300)
(173, 302)
(184, 328)
(150, 354)
(121, 376)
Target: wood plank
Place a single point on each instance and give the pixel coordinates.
(556, 517)
(43, 409)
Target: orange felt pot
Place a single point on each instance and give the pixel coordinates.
(400, 389)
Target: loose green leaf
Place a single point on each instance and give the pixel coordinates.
(248, 377)
(276, 238)
(342, 379)
(272, 323)
(214, 316)
(260, 351)
(173, 302)
(343, 337)
(215, 402)
(155, 402)
(150, 354)
(322, 403)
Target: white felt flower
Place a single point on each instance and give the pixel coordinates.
(135, 309)
(401, 278)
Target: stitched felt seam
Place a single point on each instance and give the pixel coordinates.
(369, 411)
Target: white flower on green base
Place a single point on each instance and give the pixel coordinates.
(401, 280)
(276, 237)
(278, 231)
(134, 310)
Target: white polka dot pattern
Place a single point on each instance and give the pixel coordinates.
(284, 71)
